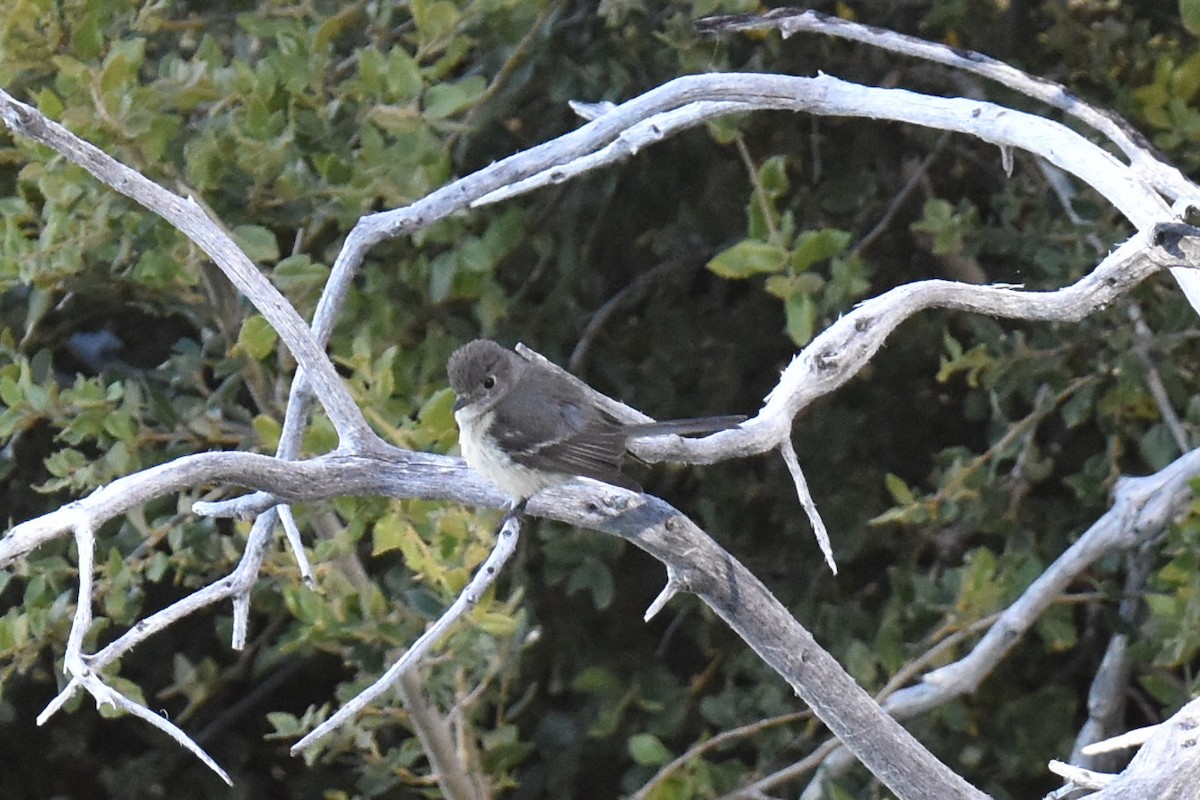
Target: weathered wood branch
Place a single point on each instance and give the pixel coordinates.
(364, 465)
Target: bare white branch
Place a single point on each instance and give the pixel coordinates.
(806, 501)
(74, 662)
(189, 218)
(506, 545)
(669, 591)
(433, 730)
(297, 546)
(83, 672)
(1132, 144)
(1080, 777)
(840, 351)
(1140, 189)
(1167, 766)
(1110, 684)
(638, 136)
(1134, 738)
(1142, 508)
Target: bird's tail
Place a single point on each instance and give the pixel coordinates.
(700, 426)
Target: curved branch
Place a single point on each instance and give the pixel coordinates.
(695, 563)
(1167, 766)
(331, 475)
(789, 21)
(692, 99)
(841, 350)
(1142, 508)
(698, 564)
(189, 218)
(620, 131)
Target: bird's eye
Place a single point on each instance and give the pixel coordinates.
(489, 382)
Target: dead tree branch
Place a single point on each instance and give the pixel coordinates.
(1140, 189)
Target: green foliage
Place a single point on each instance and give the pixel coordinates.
(966, 459)
(949, 229)
(1189, 13)
(776, 249)
(1171, 641)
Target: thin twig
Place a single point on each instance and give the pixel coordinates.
(506, 545)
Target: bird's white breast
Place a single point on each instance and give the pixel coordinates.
(482, 455)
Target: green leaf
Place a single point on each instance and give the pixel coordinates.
(862, 662)
(286, 726)
(1189, 14)
(949, 227)
(49, 103)
(35, 590)
(391, 118)
(257, 242)
(257, 338)
(593, 575)
(801, 314)
(435, 20)
(647, 750)
(156, 567)
(120, 68)
(1057, 629)
(725, 130)
(10, 392)
(748, 257)
(158, 267)
(298, 274)
(67, 461)
(87, 38)
(403, 76)
(14, 630)
(341, 23)
(597, 680)
(447, 99)
(813, 247)
(119, 425)
(1165, 689)
(773, 178)
(389, 533)
(495, 623)
(438, 411)
(1158, 447)
(268, 430)
(38, 397)
(979, 592)
(899, 490)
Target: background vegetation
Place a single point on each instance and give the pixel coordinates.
(950, 474)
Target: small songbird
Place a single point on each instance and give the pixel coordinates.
(525, 427)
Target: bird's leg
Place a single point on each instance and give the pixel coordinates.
(514, 513)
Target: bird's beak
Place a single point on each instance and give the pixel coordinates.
(459, 402)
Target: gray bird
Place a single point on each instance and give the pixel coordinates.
(524, 427)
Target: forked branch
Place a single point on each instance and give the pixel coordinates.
(1141, 189)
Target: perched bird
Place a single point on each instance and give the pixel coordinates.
(525, 427)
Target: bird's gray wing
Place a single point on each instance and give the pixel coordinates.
(563, 434)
